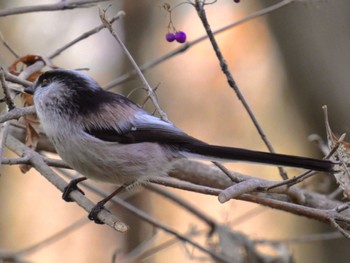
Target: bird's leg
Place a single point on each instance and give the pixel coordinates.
(100, 205)
(72, 186)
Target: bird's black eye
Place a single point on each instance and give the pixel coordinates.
(44, 83)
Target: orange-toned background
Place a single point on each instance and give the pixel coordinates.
(195, 95)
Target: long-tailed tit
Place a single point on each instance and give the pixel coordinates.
(107, 137)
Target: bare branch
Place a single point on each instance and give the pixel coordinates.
(225, 69)
(48, 241)
(182, 203)
(188, 45)
(85, 35)
(257, 185)
(204, 179)
(39, 164)
(4, 132)
(26, 160)
(5, 88)
(334, 223)
(309, 238)
(4, 42)
(147, 218)
(150, 91)
(27, 72)
(293, 180)
(17, 130)
(17, 113)
(12, 78)
(61, 5)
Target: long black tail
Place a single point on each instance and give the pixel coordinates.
(239, 154)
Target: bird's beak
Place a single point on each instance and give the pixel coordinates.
(29, 90)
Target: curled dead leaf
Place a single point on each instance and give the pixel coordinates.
(31, 121)
(341, 154)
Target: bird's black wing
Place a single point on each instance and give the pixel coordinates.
(152, 129)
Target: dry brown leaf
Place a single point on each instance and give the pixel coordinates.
(341, 154)
(31, 121)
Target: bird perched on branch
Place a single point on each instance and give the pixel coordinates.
(107, 137)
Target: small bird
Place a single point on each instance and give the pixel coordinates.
(107, 137)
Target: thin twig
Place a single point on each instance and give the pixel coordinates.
(17, 113)
(6, 90)
(230, 175)
(224, 67)
(4, 127)
(322, 145)
(334, 223)
(193, 210)
(85, 35)
(256, 185)
(4, 42)
(4, 132)
(147, 98)
(25, 160)
(247, 216)
(52, 239)
(136, 253)
(142, 77)
(294, 180)
(307, 174)
(308, 238)
(342, 207)
(185, 186)
(161, 247)
(336, 193)
(127, 76)
(60, 5)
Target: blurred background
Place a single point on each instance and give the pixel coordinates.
(288, 64)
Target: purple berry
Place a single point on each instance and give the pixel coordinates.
(180, 37)
(170, 37)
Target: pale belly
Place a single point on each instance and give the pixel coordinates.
(115, 163)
